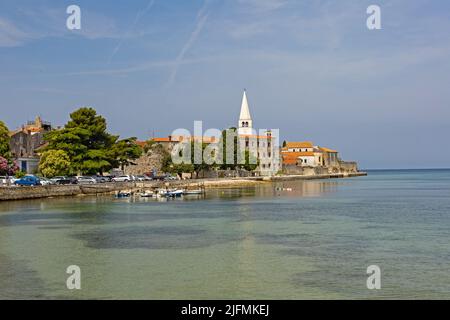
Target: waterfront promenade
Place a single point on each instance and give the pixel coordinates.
(50, 191)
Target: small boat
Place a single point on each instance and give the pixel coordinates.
(123, 194)
(147, 194)
(193, 192)
(174, 193)
(160, 193)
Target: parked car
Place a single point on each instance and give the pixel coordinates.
(28, 181)
(148, 178)
(126, 178)
(46, 182)
(56, 179)
(4, 180)
(67, 180)
(86, 180)
(139, 178)
(169, 178)
(100, 179)
(13, 179)
(108, 178)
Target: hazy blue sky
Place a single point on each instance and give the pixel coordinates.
(311, 68)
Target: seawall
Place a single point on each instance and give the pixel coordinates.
(24, 193)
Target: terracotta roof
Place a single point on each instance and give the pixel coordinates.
(306, 154)
(184, 138)
(161, 139)
(297, 154)
(289, 161)
(327, 150)
(141, 143)
(303, 144)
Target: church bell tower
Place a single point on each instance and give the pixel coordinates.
(245, 120)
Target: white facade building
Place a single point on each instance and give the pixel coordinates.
(264, 147)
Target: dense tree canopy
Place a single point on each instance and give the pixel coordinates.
(251, 162)
(124, 151)
(202, 150)
(4, 141)
(54, 163)
(7, 165)
(90, 148)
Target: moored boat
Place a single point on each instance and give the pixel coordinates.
(121, 194)
(193, 192)
(147, 194)
(174, 193)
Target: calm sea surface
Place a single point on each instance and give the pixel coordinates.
(315, 241)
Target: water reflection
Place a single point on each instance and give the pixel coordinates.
(304, 239)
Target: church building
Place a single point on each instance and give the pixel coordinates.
(264, 147)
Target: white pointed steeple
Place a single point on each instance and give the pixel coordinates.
(245, 119)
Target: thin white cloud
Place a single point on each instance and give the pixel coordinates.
(263, 5)
(10, 35)
(44, 22)
(202, 16)
(138, 17)
(137, 68)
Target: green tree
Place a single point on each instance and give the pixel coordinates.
(231, 132)
(251, 162)
(125, 151)
(91, 149)
(148, 145)
(54, 163)
(4, 141)
(20, 174)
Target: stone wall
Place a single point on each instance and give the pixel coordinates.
(343, 167)
(21, 193)
(151, 161)
(348, 166)
(214, 174)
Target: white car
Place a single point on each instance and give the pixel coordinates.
(86, 180)
(46, 182)
(3, 180)
(123, 178)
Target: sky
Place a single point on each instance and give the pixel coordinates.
(312, 69)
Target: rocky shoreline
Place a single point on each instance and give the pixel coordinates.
(25, 193)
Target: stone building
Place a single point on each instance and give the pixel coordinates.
(26, 141)
(305, 158)
(264, 147)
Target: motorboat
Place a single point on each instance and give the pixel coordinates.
(174, 193)
(193, 192)
(123, 194)
(147, 194)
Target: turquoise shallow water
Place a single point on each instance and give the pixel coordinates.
(315, 241)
